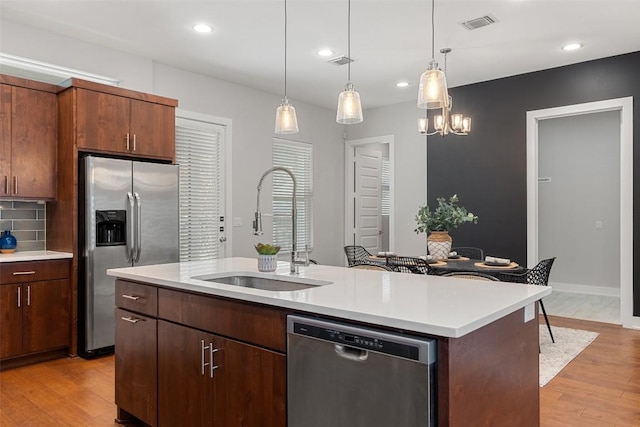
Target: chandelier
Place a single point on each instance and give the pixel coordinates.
(445, 122)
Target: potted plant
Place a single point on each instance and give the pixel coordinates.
(438, 222)
(267, 256)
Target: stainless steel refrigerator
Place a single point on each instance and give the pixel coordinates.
(129, 218)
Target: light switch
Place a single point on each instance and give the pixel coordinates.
(237, 221)
(529, 312)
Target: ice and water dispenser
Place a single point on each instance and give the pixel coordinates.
(111, 228)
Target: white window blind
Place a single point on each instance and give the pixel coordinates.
(298, 157)
(199, 154)
(386, 187)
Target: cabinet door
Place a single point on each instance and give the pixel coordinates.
(10, 320)
(46, 315)
(5, 140)
(102, 122)
(250, 385)
(185, 386)
(136, 365)
(153, 127)
(34, 124)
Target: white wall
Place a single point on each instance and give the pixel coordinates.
(251, 111)
(581, 155)
(410, 180)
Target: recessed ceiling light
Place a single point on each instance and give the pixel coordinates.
(202, 28)
(571, 46)
(402, 84)
(325, 52)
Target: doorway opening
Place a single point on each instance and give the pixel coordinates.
(624, 159)
(369, 194)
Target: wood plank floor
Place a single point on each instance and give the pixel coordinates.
(600, 387)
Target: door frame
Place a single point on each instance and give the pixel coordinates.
(625, 106)
(349, 147)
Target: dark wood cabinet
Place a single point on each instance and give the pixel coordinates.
(28, 128)
(210, 369)
(116, 124)
(136, 365)
(34, 308)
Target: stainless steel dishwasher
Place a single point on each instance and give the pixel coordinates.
(343, 375)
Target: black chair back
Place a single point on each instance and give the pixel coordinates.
(413, 265)
(356, 254)
(469, 252)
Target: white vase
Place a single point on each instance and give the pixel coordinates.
(267, 262)
(439, 244)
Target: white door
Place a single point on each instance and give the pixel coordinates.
(367, 199)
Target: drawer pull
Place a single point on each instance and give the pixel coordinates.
(23, 273)
(131, 319)
(133, 297)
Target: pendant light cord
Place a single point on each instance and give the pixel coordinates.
(433, 29)
(285, 49)
(349, 41)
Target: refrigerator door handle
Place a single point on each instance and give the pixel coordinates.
(130, 229)
(138, 226)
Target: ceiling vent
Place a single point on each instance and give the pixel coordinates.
(483, 21)
(340, 60)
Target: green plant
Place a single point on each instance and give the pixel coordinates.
(267, 249)
(446, 216)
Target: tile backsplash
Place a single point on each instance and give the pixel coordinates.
(26, 220)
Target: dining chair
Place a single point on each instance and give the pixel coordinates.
(469, 252)
(470, 275)
(538, 275)
(413, 265)
(378, 267)
(356, 254)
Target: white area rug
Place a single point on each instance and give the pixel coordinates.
(569, 343)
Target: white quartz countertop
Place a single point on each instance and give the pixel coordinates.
(441, 306)
(34, 256)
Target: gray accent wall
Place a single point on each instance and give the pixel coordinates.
(579, 198)
(26, 220)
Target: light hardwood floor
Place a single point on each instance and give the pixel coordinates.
(600, 387)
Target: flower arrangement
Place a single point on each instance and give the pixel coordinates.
(446, 216)
(267, 249)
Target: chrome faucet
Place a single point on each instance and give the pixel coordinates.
(257, 222)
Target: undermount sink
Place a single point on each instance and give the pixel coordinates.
(263, 283)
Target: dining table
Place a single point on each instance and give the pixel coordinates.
(461, 264)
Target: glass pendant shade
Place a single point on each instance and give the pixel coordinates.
(286, 120)
(432, 92)
(423, 125)
(466, 124)
(349, 107)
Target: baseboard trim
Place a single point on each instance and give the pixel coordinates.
(586, 289)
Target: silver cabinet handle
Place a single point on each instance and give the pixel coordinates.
(133, 297)
(211, 365)
(15, 185)
(138, 243)
(131, 319)
(19, 297)
(127, 139)
(130, 231)
(202, 362)
(28, 295)
(134, 142)
(23, 273)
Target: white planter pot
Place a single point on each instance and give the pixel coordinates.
(267, 262)
(439, 244)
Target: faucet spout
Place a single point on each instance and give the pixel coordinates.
(257, 222)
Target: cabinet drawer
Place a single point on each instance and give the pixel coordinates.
(137, 297)
(253, 323)
(34, 271)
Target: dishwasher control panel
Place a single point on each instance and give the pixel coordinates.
(407, 347)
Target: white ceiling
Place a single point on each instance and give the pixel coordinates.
(390, 40)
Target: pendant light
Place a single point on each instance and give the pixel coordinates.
(432, 92)
(349, 107)
(286, 120)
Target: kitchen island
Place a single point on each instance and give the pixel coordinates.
(486, 335)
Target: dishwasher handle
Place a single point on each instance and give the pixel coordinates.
(351, 353)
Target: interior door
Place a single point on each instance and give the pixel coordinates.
(367, 198)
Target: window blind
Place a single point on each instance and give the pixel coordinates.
(298, 157)
(199, 154)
